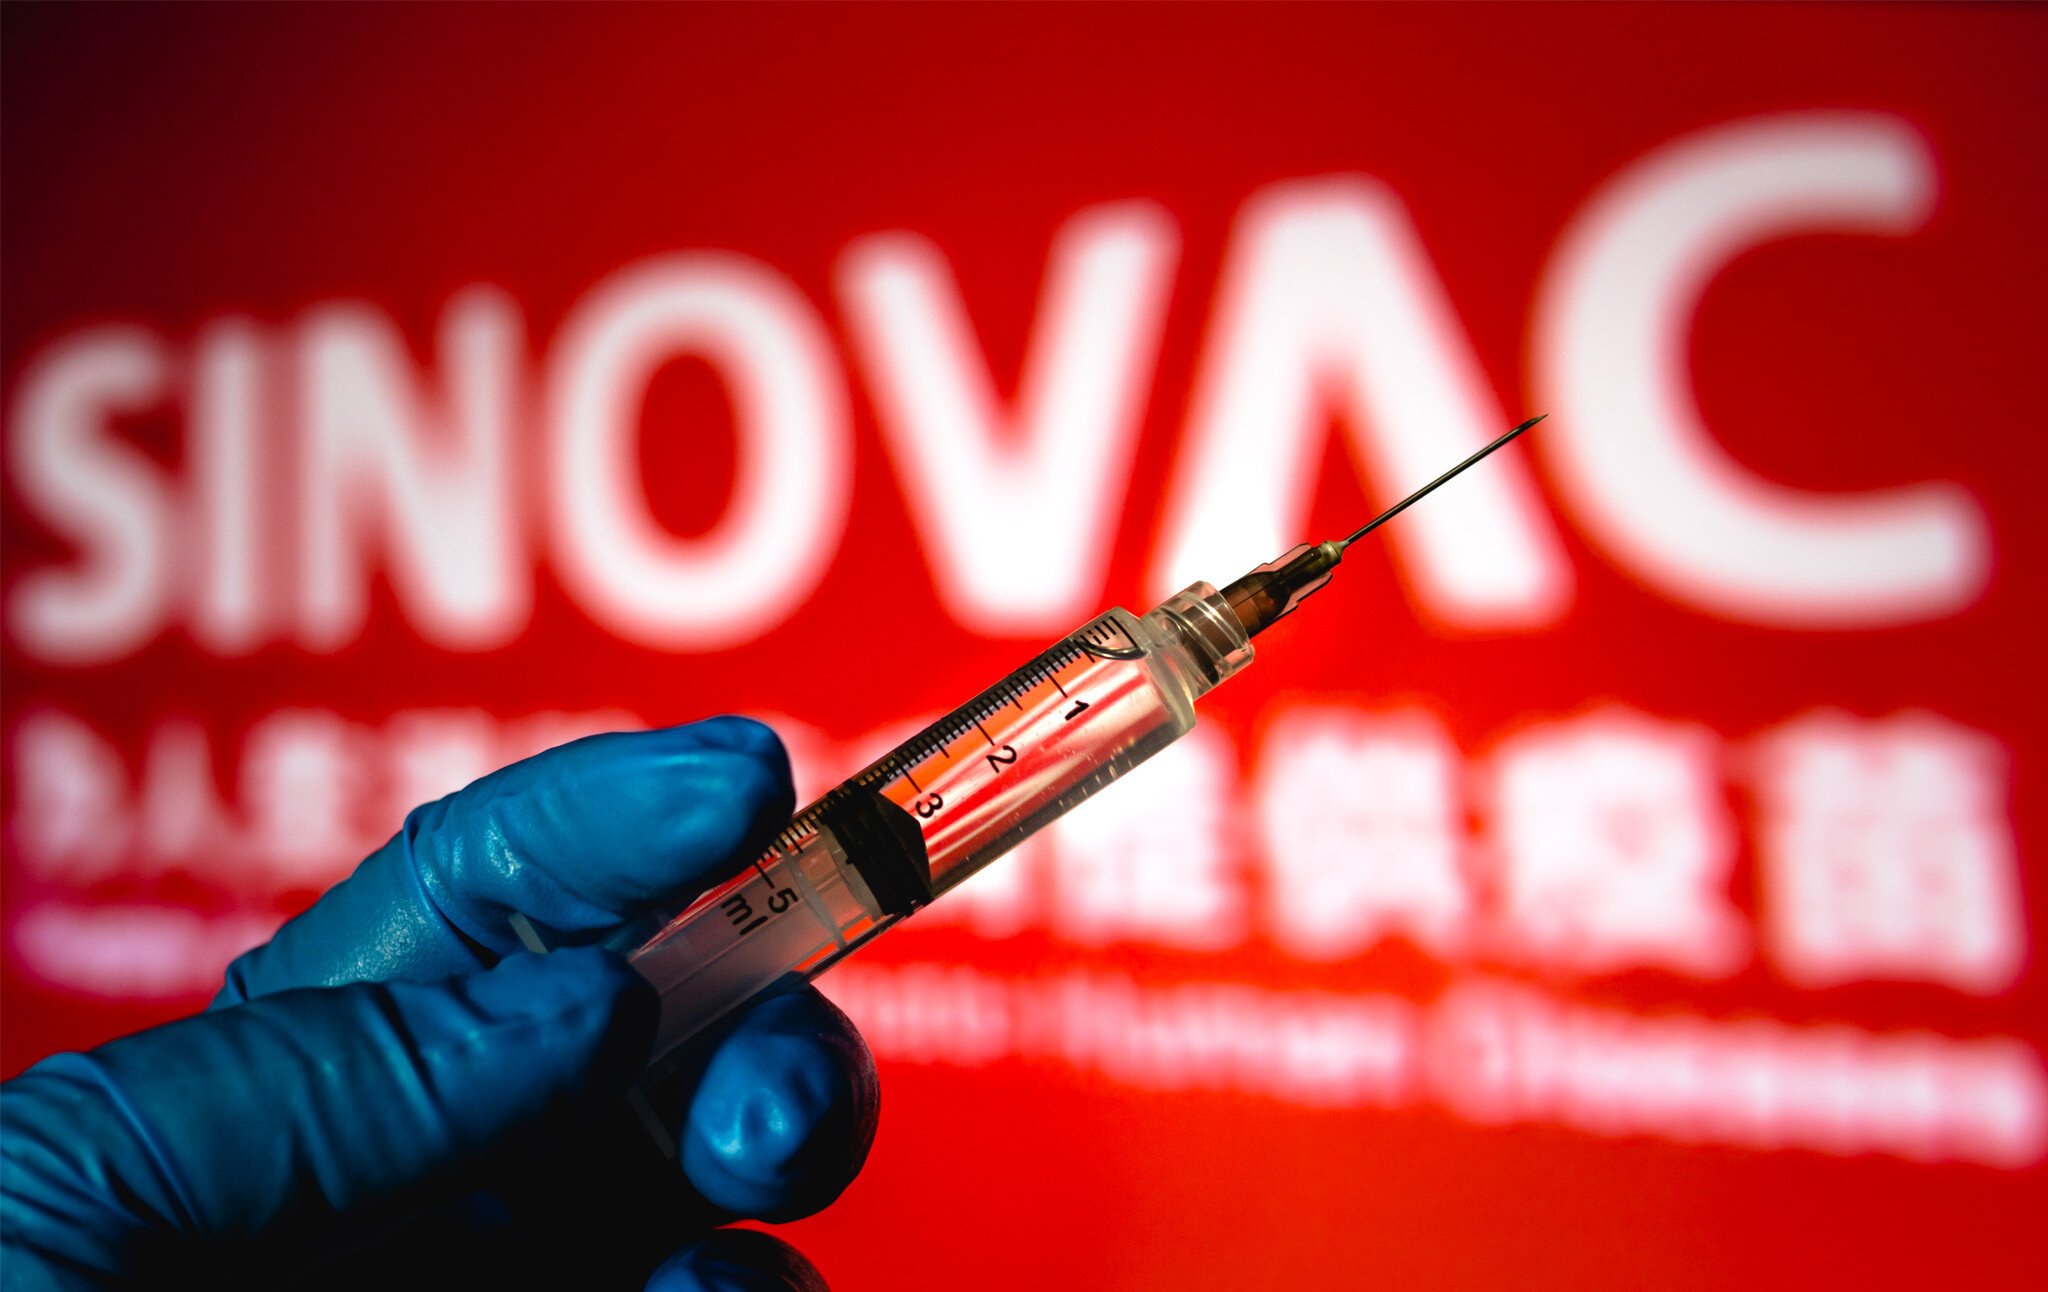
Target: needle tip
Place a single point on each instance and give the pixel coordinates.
(1403, 505)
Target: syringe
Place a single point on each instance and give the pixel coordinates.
(962, 792)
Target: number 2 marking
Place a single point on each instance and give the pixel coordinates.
(1001, 757)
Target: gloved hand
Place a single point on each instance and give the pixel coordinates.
(386, 1091)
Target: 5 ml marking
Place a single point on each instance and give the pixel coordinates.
(741, 912)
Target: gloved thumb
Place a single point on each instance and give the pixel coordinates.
(295, 1122)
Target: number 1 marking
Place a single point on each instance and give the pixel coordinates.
(1075, 712)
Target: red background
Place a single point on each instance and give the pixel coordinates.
(171, 166)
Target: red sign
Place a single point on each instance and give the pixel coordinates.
(1625, 871)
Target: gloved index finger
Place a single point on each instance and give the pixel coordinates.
(580, 839)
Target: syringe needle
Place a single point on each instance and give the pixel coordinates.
(1266, 595)
(1423, 492)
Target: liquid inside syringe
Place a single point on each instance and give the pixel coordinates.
(962, 792)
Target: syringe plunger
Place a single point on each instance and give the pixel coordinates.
(930, 813)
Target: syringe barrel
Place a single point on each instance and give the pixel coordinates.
(939, 807)
(1135, 708)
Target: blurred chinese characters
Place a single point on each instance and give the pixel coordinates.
(1583, 845)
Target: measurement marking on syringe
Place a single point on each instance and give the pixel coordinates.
(1145, 675)
(738, 908)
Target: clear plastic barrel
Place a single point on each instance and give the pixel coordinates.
(969, 788)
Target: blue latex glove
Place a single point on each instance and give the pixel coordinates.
(386, 1091)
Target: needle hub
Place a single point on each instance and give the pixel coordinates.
(1268, 594)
